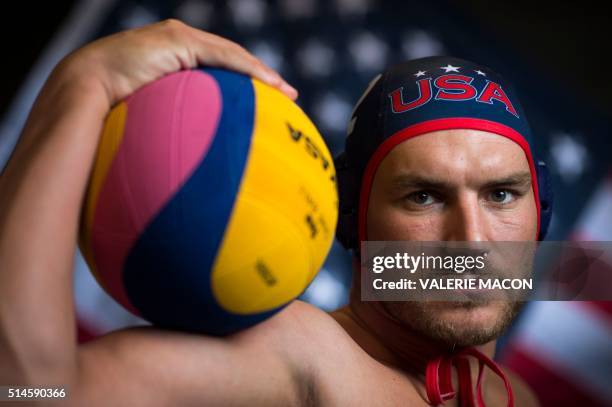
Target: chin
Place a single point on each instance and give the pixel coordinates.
(457, 323)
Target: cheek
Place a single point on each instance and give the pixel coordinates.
(520, 224)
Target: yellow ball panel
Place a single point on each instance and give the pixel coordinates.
(285, 214)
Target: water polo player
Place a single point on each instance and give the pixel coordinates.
(438, 149)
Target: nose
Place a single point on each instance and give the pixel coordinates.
(465, 220)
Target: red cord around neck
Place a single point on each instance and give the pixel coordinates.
(438, 378)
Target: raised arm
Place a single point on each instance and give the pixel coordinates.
(42, 187)
(149, 367)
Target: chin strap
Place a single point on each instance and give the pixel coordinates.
(438, 378)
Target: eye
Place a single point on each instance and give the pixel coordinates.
(502, 196)
(421, 198)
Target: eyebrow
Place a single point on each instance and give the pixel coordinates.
(518, 179)
(418, 181)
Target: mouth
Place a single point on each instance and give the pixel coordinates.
(470, 289)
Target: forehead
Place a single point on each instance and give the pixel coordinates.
(456, 152)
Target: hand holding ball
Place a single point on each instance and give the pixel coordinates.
(212, 202)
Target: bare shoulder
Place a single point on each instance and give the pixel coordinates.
(269, 336)
(190, 368)
(308, 318)
(523, 394)
(308, 332)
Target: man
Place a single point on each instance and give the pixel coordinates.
(453, 182)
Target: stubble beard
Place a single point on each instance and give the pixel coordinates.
(459, 324)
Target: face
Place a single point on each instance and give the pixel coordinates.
(454, 185)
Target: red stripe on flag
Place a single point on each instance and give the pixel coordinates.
(552, 386)
(604, 307)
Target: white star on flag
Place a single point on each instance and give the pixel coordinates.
(420, 73)
(449, 68)
(479, 72)
(570, 156)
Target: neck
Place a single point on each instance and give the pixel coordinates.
(397, 346)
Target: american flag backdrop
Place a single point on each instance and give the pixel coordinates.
(329, 50)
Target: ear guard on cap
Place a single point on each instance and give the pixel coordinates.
(545, 193)
(348, 193)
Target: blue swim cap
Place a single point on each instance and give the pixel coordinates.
(421, 96)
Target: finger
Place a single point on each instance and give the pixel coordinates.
(289, 90)
(242, 61)
(218, 51)
(259, 69)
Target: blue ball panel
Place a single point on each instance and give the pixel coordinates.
(183, 240)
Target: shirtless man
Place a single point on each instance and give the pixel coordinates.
(365, 354)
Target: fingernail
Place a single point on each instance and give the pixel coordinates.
(289, 90)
